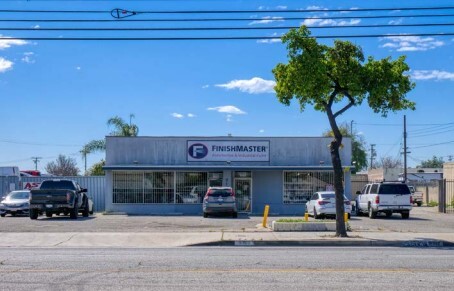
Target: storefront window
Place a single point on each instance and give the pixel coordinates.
(158, 187)
(127, 187)
(191, 186)
(299, 186)
(215, 179)
(163, 187)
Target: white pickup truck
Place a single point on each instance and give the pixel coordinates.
(416, 195)
(384, 197)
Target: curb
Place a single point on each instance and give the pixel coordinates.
(330, 243)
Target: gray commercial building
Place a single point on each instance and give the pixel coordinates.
(170, 175)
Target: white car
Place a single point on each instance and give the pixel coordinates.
(324, 204)
(16, 202)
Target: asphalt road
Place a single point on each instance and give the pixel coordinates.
(232, 268)
(422, 219)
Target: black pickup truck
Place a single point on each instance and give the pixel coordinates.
(59, 196)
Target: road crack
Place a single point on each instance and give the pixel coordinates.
(62, 242)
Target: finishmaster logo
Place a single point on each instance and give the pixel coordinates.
(198, 151)
(228, 151)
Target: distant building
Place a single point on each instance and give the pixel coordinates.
(423, 174)
(448, 171)
(384, 174)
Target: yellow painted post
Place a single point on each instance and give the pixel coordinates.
(265, 215)
(345, 216)
(306, 217)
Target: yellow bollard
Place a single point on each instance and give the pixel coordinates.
(265, 215)
(345, 217)
(306, 217)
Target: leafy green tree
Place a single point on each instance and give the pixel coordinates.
(324, 76)
(121, 128)
(63, 166)
(359, 153)
(434, 162)
(96, 169)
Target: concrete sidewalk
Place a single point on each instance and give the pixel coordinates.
(222, 238)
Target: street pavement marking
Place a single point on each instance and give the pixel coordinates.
(145, 270)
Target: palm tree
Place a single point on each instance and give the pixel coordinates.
(121, 128)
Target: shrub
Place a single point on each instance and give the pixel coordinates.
(432, 203)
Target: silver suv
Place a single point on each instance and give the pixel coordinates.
(385, 197)
(219, 200)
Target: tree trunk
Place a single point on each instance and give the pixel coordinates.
(341, 231)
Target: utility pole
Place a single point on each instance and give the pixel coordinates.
(373, 154)
(36, 160)
(85, 160)
(351, 127)
(405, 149)
(84, 153)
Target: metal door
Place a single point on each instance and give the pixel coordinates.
(243, 194)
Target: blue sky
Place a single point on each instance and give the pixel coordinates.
(57, 95)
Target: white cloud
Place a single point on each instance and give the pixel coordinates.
(267, 19)
(78, 68)
(271, 40)
(407, 43)
(190, 115)
(36, 27)
(177, 115)
(7, 43)
(253, 86)
(261, 130)
(5, 65)
(28, 58)
(314, 7)
(313, 21)
(310, 21)
(229, 109)
(396, 22)
(432, 75)
(205, 86)
(351, 9)
(229, 118)
(281, 7)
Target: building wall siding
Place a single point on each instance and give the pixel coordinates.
(290, 151)
(8, 183)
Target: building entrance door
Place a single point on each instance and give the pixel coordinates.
(243, 194)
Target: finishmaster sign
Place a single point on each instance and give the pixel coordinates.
(228, 151)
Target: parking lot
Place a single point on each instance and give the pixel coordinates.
(422, 219)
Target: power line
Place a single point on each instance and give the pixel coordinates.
(229, 11)
(393, 146)
(434, 144)
(433, 128)
(277, 18)
(38, 144)
(217, 28)
(433, 133)
(216, 38)
(398, 124)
